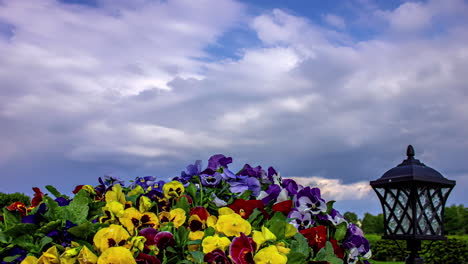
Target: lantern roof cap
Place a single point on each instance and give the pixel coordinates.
(412, 169)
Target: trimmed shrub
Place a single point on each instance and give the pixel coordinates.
(8, 198)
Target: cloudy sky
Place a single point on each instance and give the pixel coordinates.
(327, 92)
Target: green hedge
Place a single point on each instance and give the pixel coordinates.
(451, 251)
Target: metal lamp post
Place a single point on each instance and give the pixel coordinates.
(413, 198)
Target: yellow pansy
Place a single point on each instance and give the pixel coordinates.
(270, 255)
(233, 225)
(133, 219)
(282, 248)
(86, 256)
(145, 204)
(178, 217)
(136, 191)
(290, 230)
(211, 221)
(225, 211)
(89, 189)
(261, 237)
(138, 243)
(196, 235)
(116, 195)
(51, 256)
(29, 260)
(114, 235)
(116, 255)
(112, 210)
(69, 256)
(173, 189)
(211, 243)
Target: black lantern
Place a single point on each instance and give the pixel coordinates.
(413, 198)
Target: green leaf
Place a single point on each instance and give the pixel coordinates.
(3, 238)
(340, 232)
(210, 231)
(54, 211)
(256, 213)
(24, 241)
(330, 206)
(49, 227)
(9, 218)
(11, 258)
(245, 195)
(77, 210)
(44, 241)
(54, 192)
(277, 225)
(81, 231)
(300, 249)
(20, 229)
(191, 190)
(183, 203)
(328, 254)
(198, 256)
(194, 242)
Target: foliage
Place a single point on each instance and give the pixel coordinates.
(450, 251)
(351, 217)
(372, 224)
(453, 250)
(456, 220)
(203, 216)
(8, 199)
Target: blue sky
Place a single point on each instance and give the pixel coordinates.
(327, 92)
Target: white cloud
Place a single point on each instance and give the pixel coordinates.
(410, 16)
(335, 189)
(335, 21)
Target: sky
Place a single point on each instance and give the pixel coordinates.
(329, 93)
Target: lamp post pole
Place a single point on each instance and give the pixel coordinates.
(414, 246)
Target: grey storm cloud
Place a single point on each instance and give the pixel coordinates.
(128, 89)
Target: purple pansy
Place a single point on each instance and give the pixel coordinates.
(270, 194)
(256, 172)
(219, 160)
(334, 217)
(291, 186)
(36, 217)
(249, 183)
(356, 244)
(210, 180)
(309, 200)
(164, 239)
(301, 221)
(191, 170)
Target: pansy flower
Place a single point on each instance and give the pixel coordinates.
(245, 208)
(116, 255)
(133, 219)
(143, 258)
(210, 180)
(173, 189)
(270, 254)
(317, 236)
(233, 225)
(216, 256)
(219, 160)
(164, 239)
(309, 200)
(19, 207)
(242, 250)
(114, 235)
(300, 220)
(210, 243)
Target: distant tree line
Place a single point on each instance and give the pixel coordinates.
(455, 221)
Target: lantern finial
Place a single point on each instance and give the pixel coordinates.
(410, 151)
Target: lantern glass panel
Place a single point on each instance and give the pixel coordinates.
(429, 210)
(397, 211)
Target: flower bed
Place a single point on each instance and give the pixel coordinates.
(203, 216)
